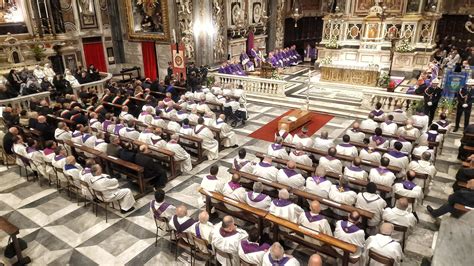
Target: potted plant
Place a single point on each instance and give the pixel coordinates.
(384, 81)
(38, 52)
(446, 106)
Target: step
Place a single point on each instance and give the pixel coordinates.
(425, 220)
(418, 244)
(445, 177)
(439, 192)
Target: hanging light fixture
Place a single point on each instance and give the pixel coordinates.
(296, 12)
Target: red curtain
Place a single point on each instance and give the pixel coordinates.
(149, 60)
(94, 54)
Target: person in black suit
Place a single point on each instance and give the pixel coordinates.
(462, 153)
(152, 169)
(11, 118)
(432, 96)
(465, 97)
(462, 196)
(464, 175)
(47, 131)
(8, 139)
(126, 153)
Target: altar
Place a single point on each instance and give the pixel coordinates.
(350, 73)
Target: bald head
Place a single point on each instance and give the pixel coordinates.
(283, 194)
(354, 217)
(315, 206)
(144, 148)
(236, 178)
(332, 151)
(356, 125)
(386, 229)
(357, 161)
(13, 130)
(324, 135)
(315, 260)
(41, 119)
(203, 217)
(276, 251)
(402, 203)
(181, 211)
(320, 171)
(291, 164)
(426, 156)
(70, 160)
(228, 223)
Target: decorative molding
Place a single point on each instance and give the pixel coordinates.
(221, 36)
(185, 18)
(280, 26)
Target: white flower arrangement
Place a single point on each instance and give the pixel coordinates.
(404, 47)
(332, 44)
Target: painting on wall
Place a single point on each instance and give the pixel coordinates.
(147, 20)
(87, 13)
(255, 11)
(393, 6)
(235, 11)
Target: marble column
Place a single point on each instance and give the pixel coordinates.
(204, 41)
(272, 28)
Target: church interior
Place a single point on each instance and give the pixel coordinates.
(236, 132)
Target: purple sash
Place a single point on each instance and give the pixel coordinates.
(349, 229)
(276, 147)
(218, 122)
(382, 171)
(117, 128)
(318, 179)
(378, 140)
(377, 112)
(154, 141)
(264, 164)
(144, 113)
(234, 185)
(167, 110)
(224, 233)
(346, 145)
(186, 126)
(442, 123)
(181, 227)
(86, 171)
(98, 142)
(355, 168)
(58, 157)
(76, 134)
(30, 149)
(282, 136)
(249, 247)
(238, 165)
(211, 177)
(258, 198)
(157, 212)
(85, 137)
(344, 189)
(312, 218)
(397, 154)
(289, 172)
(197, 131)
(48, 151)
(283, 261)
(197, 230)
(432, 136)
(106, 124)
(408, 185)
(69, 167)
(281, 202)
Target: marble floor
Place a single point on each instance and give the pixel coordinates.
(60, 232)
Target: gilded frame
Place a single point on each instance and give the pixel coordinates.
(155, 36)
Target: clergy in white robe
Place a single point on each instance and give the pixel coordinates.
(409, 130)
(158, 121)
(48, 155)
(209, 144)
(389, 127)
(299, 156)
(348, 231)
(181, 222)
(228, 136)
(420, 119)
(76, 136)
(256, 198)
(342, 194)
(330, 162)
(156, 140)
(153, 110)
(145, 135)
(233, 190)
(59, 159)
(146, 116)
(384, 245)
(346, 148)
(406, 145)
(370, 154)
(110, 189)
(186, 129)
(276, 256)
(431, 135)
(209, 119)
(378, 112)
(160, 208)
(73, 169)
(194, 116)
(323, 143)
(173, 126)
(318, 184)
(284, 208)
(62, 132)
(423, 166)
(277, 150)
(36, 157)
(109, 125)
(381, 175)
(399, 115)
(241, 162)
(202, 229)
(303, 138)
(400, 215)
(210, 183)
(372, 202)
(250, 251)
(49, 72)
(314, 221)
(355, 134)
(369, 123)
(180, 154)
(397, 157)
(265, 169)
(442, 123)
(355, 171)
(290, 177)
(129, 131)
(226, 237)
(378, 140)
(125, 115)
(422, 147)
(38, 73)
(284, 134)
(408, 188)
(169, 111)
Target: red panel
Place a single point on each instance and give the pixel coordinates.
(149, 60)
(94, 54)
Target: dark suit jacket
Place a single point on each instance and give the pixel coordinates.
(46, 130)
(8, 143)
(152, 169)
(464, 197)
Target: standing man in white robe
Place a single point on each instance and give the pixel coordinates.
(209, 144)
(265, 169)
(180, 154)
(290, 177)
(300, 156)
(226, 237)
(227, 135)
(277, 150)
(256, 198)
(284, 208)
(383, 244)
(330, 162)
(372, 202)
(110, 189)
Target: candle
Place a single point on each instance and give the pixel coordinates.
(174, 36)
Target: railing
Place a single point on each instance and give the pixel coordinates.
(253, 85)
(97, 85)
(23, 102)
(389, 100)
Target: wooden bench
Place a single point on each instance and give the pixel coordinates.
(58, 119)
(12, 230)
(461, 208)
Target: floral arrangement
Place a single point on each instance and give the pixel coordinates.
(332, 44)
(404, 47)
(447, 105)
(326, 61)
(384, 79)
(275, 75)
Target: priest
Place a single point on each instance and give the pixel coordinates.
(180, 154)
(209, 144)
(227, 134)
(226, 237)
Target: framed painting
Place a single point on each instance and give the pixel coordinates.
(255, 11)
(148, 20)
(87, 15)
(393, 6)
(235, 11)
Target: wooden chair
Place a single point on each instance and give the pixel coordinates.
(71, 187)
(106, 203)
(225, 255)
(161, 224)
(403, 230)
(182, 240)
(55, 179)
(380, 258)
(26, 163)
(202, 250)
(84, 184)
(245, 263)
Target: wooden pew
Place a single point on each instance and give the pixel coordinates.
(461, 208)
(12, 230)
(309, 169)
(399, 124)
(342, 157)
(113, 163)
(58, 119)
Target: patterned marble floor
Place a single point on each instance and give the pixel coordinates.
(60, 232)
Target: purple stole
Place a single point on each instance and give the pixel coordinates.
(442, 124)
(186, 126)
(318, 179)
(396, 154)
(85, 137)
(181, 227)
(157, 212)
(154, 141)
(225, 233)
(86, 171)
(76, 134)
(249, 247)
(144, 113)
(377, 112)
(432, 136)
(233, 185)
(312, 218)
(98, 142)
(289, 172)
(349, 229)
(346, 145)
(30, 149)
(283, 136)
(47, 151)
(382, 171)
(258, 198)
(117, 128)
(342, 189)
(355, 168)
(69, 167)
(283, 261)
(281, 202)
(58, 157)
(93, 123)
(129, 129)
(378, 139)
(408, 185)
(106, 124)
(239, 166)
(197, 230)
(211, 177)
(276, 146)
(167, 110)
(199, 130)
(264, 164)
(218, 122)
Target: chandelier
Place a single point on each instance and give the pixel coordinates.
(296, 12)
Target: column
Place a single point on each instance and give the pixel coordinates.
(203, 35)
(116, 31)
(272, 28)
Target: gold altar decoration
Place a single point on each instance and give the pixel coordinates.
(354, 75)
